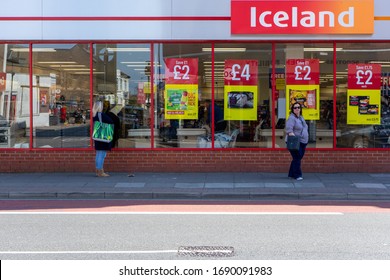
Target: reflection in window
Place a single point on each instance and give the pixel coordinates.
(61, 105)
(363, 134)
(183, 82)
(121, 78)
(14, 96)
(243, 91)
(320, 120)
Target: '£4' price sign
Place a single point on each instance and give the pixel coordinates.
(240, 72)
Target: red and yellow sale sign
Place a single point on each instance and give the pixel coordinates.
(302, 78)
(181, 88)
(302, 17)
(240, 90)
(364, 94)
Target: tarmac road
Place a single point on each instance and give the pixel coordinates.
(278, 230)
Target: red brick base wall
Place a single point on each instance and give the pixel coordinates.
(18, 160)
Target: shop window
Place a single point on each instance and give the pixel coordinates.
(121, 78)
(61, 106)
(243, 91)
(183, 87)
(363, 113)
(14, 96)
(304, 74)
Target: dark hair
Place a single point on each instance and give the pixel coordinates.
(292, 108)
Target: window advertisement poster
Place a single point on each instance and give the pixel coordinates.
(240, 89)
(181, 88)
(364, 94)
(302, 86)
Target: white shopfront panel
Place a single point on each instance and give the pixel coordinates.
(103, 29)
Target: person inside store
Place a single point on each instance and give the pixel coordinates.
(101, 147)
(296, 125)
(219, 122)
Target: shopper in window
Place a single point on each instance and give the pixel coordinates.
(101, 147)
(219, 123)
(296, 125)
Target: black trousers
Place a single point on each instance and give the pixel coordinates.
(295, 166)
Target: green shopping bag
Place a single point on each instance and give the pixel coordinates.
(102, 132)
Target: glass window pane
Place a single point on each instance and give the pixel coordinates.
(318, 115)
(183, 82)
(363, 134)
(14, 96)
(61, 91)
(121, 78)
(245, 95)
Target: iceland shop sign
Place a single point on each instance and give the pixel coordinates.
(302, 17)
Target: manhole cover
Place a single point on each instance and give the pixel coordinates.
(206, 251)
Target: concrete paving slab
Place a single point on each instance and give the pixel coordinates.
(129, 185)
(278, 185)
(189, 185)
(309, 185)
(369, 186)
(219, 185)
(248, 185)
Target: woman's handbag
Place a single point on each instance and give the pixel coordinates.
(293, 142)
(102, 132)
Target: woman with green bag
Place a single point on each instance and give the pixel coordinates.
(101, 147)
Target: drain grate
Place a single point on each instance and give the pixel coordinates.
(206, 251)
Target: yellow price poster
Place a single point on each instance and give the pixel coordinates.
(181, 101)
(303, 79)
(240, 103)
(181, 88)
(364, 94)
(308, 96)
(241, 89)
(364, 106)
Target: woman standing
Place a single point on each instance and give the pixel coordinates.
(296, 125)
(101, 147)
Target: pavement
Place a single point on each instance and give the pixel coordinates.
(196, 186)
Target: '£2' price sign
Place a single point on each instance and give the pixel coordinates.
(364, 76)
(302, 72)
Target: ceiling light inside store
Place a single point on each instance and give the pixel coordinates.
(129, 49)
(380, 62)
(56, 62)
(215, 62)
(321, 49)
(65, 66)
(224, 49)
(34, 50)
(76, 69)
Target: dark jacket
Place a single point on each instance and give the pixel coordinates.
(101, 145)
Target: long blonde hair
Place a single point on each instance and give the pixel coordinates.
(97, 107)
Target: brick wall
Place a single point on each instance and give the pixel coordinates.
(52, 160)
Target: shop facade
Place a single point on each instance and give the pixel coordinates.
(196, 89)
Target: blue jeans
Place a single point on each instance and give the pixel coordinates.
(295, 166)
(99, 159)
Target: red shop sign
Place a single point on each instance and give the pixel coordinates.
(364, 76)
(181, 71)
(302, 72)
(240, 72)
(302, 17)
